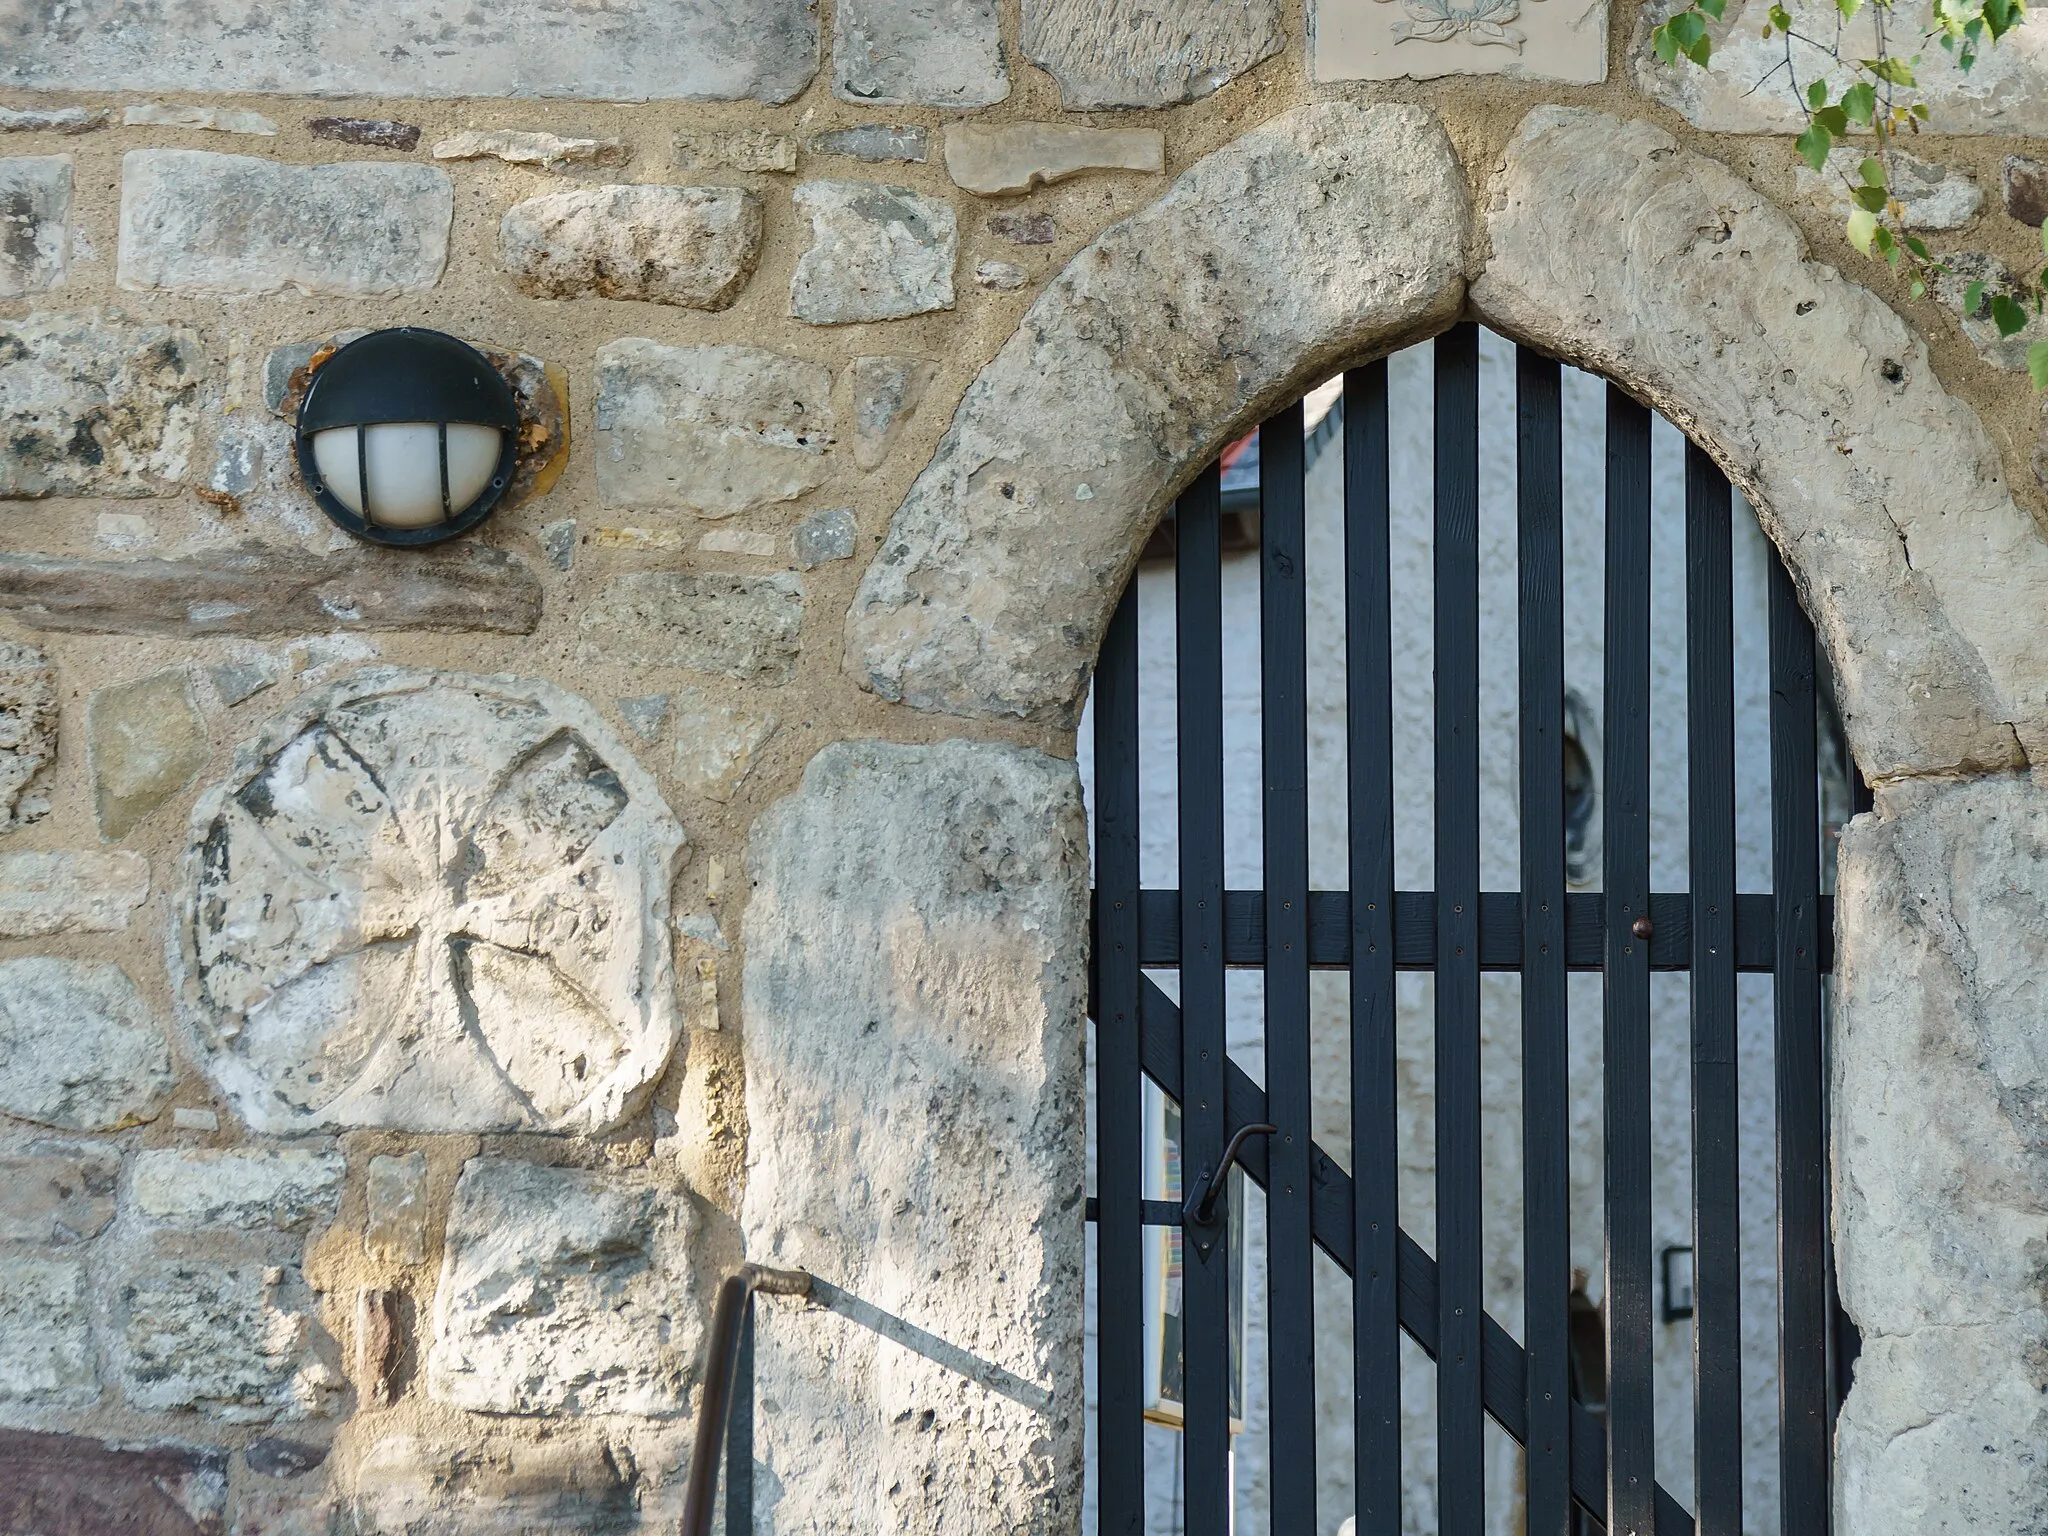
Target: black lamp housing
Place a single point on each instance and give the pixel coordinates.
(408, 375)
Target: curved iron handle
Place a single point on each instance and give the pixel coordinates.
(721, 1362)
(1200, 1210)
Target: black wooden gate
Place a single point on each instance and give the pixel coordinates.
(1579, 1464)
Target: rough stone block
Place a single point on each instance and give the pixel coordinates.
(54, 1193)
(694, 247)
(271, 1189)
(396, 1228)
(35, 223)
(237, 682)
(236, 226)
(514, 146)
(430, 902)
(1137, 53)
(825, 536)
(2026, 189)
(380, 1343)
(914, 959)
(717, 621)
(233, 1338)
(254, 589)
(66, 1485)
(565, 1292)
(2006, 353)
(372, 132)
(927, 53)
(999, 276)
(150, 114)
(874, 143)
(1016, 157)
(714, 430)
(761, 543)
(79, 1049)
(28, 730)
(697, 50)
(646, 715)
(69, 892)
(1024, 228)
(484, 1484)
(94, 405)
(716, 744)
(743, 149)
(46, 1355)
(1932, 196)
(1557, 40)
(886, 393)
(876, 253)
(145, 741)
(64, 120)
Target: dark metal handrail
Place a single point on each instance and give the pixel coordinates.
(721, 1366)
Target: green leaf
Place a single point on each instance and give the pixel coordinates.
(1919, 289)
(1918, 247)
(1872, 171)
(1893, 71)
(1861, 229)
(1848, 8)
(2037, 363)
(1920, 111)
(1701, 51)
(1817, 94)
(1859, 102)
(1714, 8)
(1873, 198)
(1814, 144)
(1665, 45)
(2008, 314)
(1834, 119)
(1782, 20)
(1687, 28)
(1973, 299)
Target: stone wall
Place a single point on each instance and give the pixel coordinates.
(415, 986)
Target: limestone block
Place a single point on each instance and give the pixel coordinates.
(698, 50)
(486, 1484)
(35, 223)
(28, 730)
(646, 715)
(2005, 93)
(256, 589)
(150, 114)
(714, 430)
(46, 1354)
(79, 1049)
(236, 226)
(721, 622)
(563, 1291)
(396, 1227)
(824, 537)
(915, 985)
(886, 393)
(1137, 53)
(558, 542)
(380, 1344)
(716, 744)
(694, 247)
(999, 276)
(1560, 40)
(66, 1485)
(233, 1338)
(515, 147)
(1882, 491)
(927, 53)
(742, 149)
(237, 682)
(874, 143)
(1016, 157)
(42, 894)
(57, 1193)
(272, 1189)
(2026, 189)
(374, 132)
(430, 902)
(1941, 1180)
(876, 253)
(2006, 353)
(64, 120)
(1024, 228)
(95, 405)
(761, 543)
(1094, 401)
(145, 741)
(1932, 197)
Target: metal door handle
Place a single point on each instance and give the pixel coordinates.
(1200, 1210)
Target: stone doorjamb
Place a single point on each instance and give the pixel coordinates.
(1336, 233)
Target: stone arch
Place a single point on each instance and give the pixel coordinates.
(1338, 232)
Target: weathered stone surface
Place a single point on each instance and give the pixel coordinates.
(690, 246)
(1134, 53)
(714, 430)
(927, 53)
(1561, 40)
(874, 143)
(93, 405)
(1024, 228)
(1095, 412)
(233, 1338)
(430, 902)
(1965, 268)
(145, 741)
(999, 276)
(1016, 157)
(876, 253)
(236, 226)
(761, 543)
(254, 589)
(886, 393)
(1933, 197)
(65, 1485)
(565, 1292)
(374, 132)
(646, 715)
(35, 223)
(65, 120)
(186, 1118)
(69, 892)
(2026, 189)
(824, 537)
(1745, 89)
(558, 543)
(273, 1189)
(54, 1193)
(150, 114)
(46, 1355)
(716, 621)
(28, 731)
(79, 1049)
(516, 147)
(691, 50)
(743, 149)
(237, 682)
(482, 1484)
(1942, 1159)
(380, 1344)
(716, 744)
(275, 1457)
(915, 960)
(1882, 491)
(396, 1227)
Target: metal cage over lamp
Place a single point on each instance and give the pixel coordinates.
(408, 437)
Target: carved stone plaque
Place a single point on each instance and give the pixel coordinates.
(432, 902)
(1563, 40)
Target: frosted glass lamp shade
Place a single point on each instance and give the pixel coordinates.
(404, 462)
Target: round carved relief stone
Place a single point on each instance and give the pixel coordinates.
(430, 901)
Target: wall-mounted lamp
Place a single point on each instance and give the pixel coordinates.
(408, 437)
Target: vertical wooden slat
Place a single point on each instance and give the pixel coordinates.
(1631, 1440)
(1716, 1171)
(1205, 1278)
(1120, 1335)
(1368, 637)
(1461, 1480)
(1802, 1232)
(1546, 1190)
